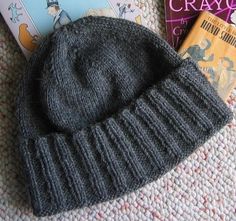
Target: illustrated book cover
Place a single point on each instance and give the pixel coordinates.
(180, 15)
(212, 44)
(30, 21)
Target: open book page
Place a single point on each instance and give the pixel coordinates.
(30, 20)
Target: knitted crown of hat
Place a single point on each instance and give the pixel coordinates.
(105, 107)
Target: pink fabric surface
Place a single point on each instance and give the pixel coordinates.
(203, 187)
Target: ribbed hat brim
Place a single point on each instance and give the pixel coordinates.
(124, 152)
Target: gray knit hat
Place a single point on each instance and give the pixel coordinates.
(105, 107)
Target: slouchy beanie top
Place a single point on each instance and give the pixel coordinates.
(106, 106)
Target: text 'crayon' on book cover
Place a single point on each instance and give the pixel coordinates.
(181, 15)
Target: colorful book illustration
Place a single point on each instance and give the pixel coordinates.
(30, 20)
(181, 15)
(212, 44)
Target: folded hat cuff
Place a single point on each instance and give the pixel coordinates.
(135, 146)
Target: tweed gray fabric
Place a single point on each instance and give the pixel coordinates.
(105, 107)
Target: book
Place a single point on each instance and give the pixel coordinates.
(30, 21)
(212, 44)
(180, 15)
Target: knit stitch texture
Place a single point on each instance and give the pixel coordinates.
(105, 107)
